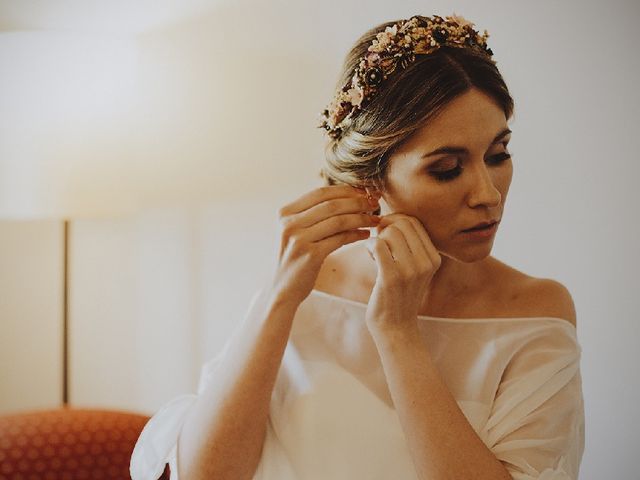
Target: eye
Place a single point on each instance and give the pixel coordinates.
(500, 158)
(444, 175)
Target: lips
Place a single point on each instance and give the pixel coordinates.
(481, 225)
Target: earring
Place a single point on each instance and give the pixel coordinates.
(372, 196)
(369, 196)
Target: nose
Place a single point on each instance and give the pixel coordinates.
(483, 190)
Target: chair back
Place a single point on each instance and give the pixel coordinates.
(69, 443)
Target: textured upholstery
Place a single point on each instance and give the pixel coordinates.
(69, 444)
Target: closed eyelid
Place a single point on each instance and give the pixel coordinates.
(444, 161)
(449, 157)
(501, 139)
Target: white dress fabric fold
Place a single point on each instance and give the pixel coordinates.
(517, 381)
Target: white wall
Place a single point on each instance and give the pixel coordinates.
(233, 131)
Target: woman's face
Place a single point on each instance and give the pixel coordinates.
(456, 189)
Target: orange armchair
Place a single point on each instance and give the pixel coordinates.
(69, 443)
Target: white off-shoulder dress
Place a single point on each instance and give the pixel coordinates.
(517, 381)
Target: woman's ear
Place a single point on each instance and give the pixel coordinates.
(377, 194)
(373, 192)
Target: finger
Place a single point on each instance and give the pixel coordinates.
(331, 208)
(398, 246)
(414, 238)
(329, 244)
(389, 219)
(336, 224)
(318, 195)
(379, 250)
(429, 248)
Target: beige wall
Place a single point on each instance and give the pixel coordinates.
(30, 315)
(152, 296)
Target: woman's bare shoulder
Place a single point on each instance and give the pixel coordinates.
(534, 296)
(346, 273)
(506, 291)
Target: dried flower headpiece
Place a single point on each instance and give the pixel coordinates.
(397, 46)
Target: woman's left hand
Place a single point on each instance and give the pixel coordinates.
(406, 260)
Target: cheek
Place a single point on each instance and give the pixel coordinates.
(503, 181)
(436, 212)
(434, 204)
(424, 201)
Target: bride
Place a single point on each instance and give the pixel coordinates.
(412, 353)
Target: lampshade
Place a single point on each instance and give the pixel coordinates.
(66, 100)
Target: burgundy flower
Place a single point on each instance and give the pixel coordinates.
(373, 76)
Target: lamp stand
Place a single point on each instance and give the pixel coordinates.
(65, 316)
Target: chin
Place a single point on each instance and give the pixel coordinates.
(471, 254)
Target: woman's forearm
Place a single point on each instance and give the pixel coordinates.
(442, 442)
(224, 431)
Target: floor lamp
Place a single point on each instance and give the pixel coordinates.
(75, 84)
(65, 314)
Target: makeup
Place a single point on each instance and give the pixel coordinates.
(481, 233)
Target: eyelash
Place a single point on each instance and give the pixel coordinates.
(454, 172)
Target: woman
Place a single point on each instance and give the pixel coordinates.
(415, 354)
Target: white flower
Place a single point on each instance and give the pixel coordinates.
(392, 30)
(384, 39)
(460, 20)
(355, 96)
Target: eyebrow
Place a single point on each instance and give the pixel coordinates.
(452, 149)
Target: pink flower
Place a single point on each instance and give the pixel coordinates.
(372, 58)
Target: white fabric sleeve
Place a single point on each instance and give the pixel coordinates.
(157, 444)
(536, 425)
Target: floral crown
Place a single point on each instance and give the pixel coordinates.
(397, 46)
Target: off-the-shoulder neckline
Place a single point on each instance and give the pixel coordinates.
(321, 293)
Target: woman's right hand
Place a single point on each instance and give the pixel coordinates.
(312, 226)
